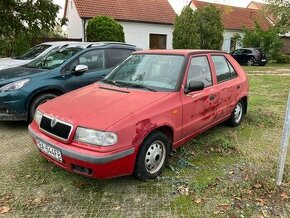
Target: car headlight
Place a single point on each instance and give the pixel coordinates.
(14, 86)
(38, 116)
(95, 137)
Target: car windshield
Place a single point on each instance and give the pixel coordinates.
(33, 52)
(153, 72)
(54, 58)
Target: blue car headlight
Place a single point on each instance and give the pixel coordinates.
(14, 86)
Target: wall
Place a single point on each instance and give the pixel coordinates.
(228, 34)
(75, 24)
(138, 33)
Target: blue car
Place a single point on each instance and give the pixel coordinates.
(23, 89)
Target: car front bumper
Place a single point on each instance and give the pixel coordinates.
(13, 105)
(85, 162)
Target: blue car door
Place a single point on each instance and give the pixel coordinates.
(96, 63)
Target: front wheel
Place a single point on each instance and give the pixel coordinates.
(237, 114)
(250, 62)
(152, 156)
(38, 101)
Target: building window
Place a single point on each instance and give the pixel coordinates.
(157, 41)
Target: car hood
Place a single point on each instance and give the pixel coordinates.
(16, 72)
(99, 107)
(6, 63)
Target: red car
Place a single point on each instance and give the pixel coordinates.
(153, 102)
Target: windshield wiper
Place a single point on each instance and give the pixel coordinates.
(140, 86)
(111, 82)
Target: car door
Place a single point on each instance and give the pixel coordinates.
(94, 60)
(199, 106)
(228, 86)
(237, 54)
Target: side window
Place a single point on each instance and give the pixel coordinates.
(199, 70)
(246, 51)
(224, 70)
(116, 56)
(94, 59)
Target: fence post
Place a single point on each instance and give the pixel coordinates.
(284, 145)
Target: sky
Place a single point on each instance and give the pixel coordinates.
(240, 3)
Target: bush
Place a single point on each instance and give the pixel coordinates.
(195, 29)
(269, 40)
(102, 28)
(282, 59)
(184, 32)
(209, 27)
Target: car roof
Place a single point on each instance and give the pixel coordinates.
(183, 52)
(87, 44)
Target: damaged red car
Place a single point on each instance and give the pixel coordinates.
(129, 122)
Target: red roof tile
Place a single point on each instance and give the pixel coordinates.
(236, 18)
(152, 11)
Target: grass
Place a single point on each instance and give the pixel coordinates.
(270, 67)
(225, 172)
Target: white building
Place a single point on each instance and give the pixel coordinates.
(149, 24)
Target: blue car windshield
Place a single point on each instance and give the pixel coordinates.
(33, 52)
(154, 72)
(54, 58)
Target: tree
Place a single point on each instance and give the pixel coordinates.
(21, 21)
(209, 27)
(184, 32)
(269, 40)
(102, 28)
(199, 29)
(279, 10)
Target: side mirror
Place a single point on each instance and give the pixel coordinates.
(194, 86)
(81, 69)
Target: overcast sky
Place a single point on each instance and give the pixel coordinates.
(241, 3)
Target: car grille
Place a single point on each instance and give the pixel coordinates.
(55, 128)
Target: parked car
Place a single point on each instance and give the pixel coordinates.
(250, 56)
(22, 89)
(153, 102)
(31, 54)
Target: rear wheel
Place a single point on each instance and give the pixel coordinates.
(237, 114)
(38, 101)
(152, 156)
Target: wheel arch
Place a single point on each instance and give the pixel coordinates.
(165, 129)
(54, 90)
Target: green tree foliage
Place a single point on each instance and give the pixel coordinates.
(184, 33)
(209, 27)
(102, 28)
(269, 40)
(279, 11)
(199, 29)
(22, 21)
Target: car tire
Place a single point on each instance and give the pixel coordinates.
(152, 156)
(237, 114)
(250, 62)
(38, 101)
(262, 64)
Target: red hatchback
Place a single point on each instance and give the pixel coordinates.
(153, 102)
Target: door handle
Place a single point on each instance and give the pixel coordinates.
(238, 87)
(211, 97)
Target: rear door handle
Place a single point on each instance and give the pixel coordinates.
(211, 97)
(238, 87)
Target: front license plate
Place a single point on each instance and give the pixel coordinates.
(47, 149)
